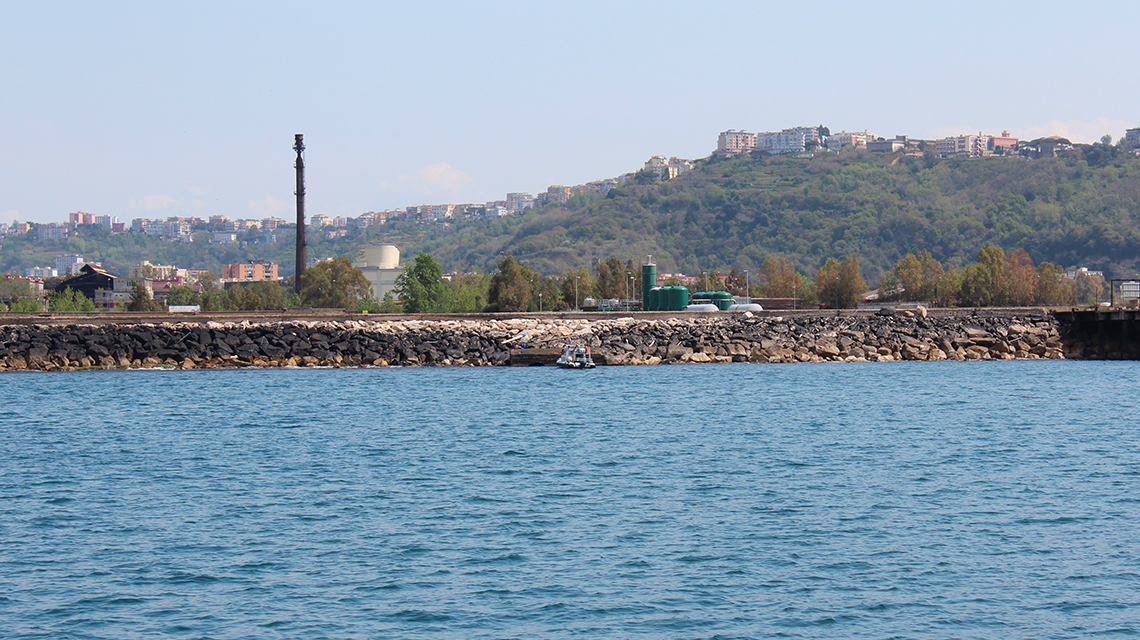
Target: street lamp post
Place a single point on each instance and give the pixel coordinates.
(576, 307)
(747, 287)
(627, 287)
(540, 302)
(705, 277)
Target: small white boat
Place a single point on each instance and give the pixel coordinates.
(575, 357)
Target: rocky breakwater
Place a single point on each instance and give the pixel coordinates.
(816, 337)
(853, 337)
(215, 344)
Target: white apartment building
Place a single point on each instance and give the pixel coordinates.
(792, 140)
(837, 141)
(969, 145)
(519, 202)
(41, 272)
(68, 265)
(668, 169)
(318, 220)
(1132, 138)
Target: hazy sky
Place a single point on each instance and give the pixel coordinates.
(153, 109)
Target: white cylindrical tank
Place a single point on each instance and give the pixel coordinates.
(385, 256)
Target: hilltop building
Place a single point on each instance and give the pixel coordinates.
(668, 169)
(1132, 138)
(845, 139)
(975, 146)
(732, 142)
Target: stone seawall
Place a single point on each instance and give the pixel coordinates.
(637, 339)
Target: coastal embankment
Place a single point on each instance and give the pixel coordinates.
(489, 340)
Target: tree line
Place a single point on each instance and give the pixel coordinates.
(994, 279)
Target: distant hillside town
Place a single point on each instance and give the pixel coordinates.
(967, 145)
(222, 230)
(245, 233)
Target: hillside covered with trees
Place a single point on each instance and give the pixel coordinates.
(1082, 210)
(1078, 210)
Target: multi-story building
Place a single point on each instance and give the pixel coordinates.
(662, 168)
(68, 265)
(252, 271)
(176, 229)
(1005, 143)
(319, 220)
(844, 139)
(362, 221)
(41, 272)
(440, 211)
(156, 271)
(52, 231)
(558, 193)
(732, 142)
(969, 145)
(80, 217)
(1132, 138)
(898, 143)
(107, 222)
(792, 140)
(519, 202)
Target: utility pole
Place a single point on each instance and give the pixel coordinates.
(299, 147)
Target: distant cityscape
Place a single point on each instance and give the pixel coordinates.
(222, 230)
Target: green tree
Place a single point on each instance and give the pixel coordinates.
(70, 301)
(511, 286)
(1051, 286)
(840, 285)
(577, 285)
(333, 284)
(1022, 289)
(181, 295)
(209, 281)
(466, 293)
(986, 283)
(388, 304)
(420, 286)
(913, 278)
(25, 305)
(269, 294)
(141, 301)
(779, 278)
(611, 278)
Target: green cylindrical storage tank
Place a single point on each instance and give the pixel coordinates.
(677, 298)
(648, 281)
(723, 304)
(652, 302)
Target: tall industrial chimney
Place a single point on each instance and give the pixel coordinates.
(299, 147)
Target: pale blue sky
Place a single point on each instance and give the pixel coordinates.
(153, 109)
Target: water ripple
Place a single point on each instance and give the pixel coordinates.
(970, 500)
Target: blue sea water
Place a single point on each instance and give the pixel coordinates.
(903, 500)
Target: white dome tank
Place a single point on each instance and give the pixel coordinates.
(385, 256)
